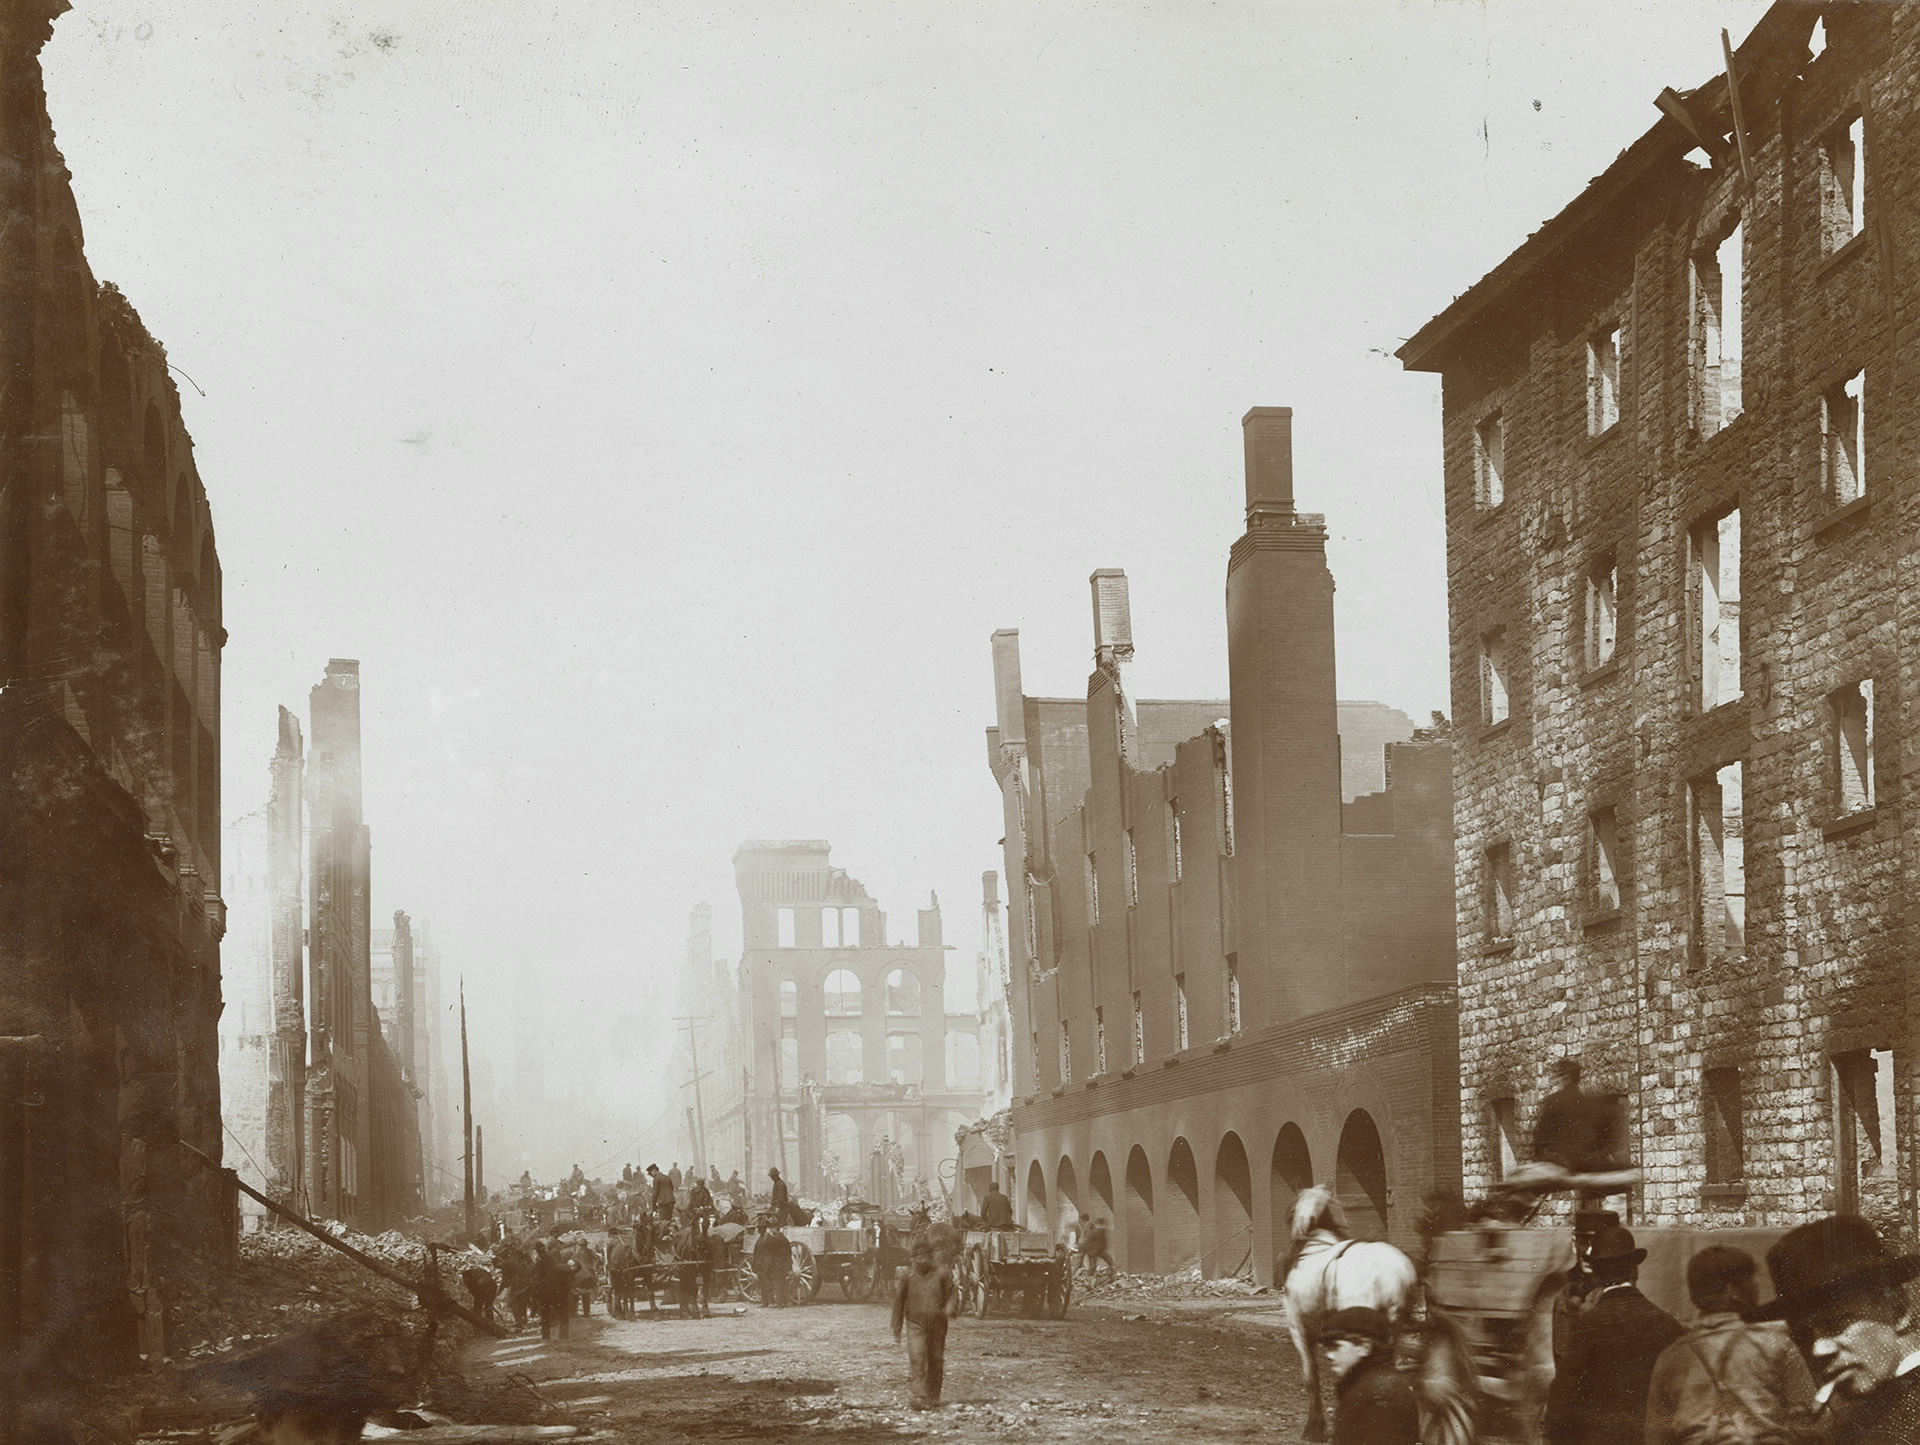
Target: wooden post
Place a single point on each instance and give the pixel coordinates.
(466, 1106)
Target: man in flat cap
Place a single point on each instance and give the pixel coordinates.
(1374, 1404)
(1842, 1293)
(1599, 1391)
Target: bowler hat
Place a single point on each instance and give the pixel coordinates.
(1615, 1245)
(1357, 1322)
(1828, 1260)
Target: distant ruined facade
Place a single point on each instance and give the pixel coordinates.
(110, 836)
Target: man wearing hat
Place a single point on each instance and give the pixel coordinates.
(1374, 1404)
(1601, 1376)
(1840, 1290)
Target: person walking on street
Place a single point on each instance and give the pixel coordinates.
(1374, 1403)
(772, 1262)
(1841, 1292)
(1601, 1379)
(923, 1303)
(552, 1289)
(662, 1196)
(1726, 1380)
(1094, 1249)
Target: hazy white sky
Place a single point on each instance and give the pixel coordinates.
(665, 402)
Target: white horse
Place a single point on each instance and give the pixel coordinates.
(1328, 1270)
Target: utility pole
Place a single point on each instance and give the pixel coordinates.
(466, 1105)
(480, 1161)
(699, 1125)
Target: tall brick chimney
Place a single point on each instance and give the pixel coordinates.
(1286, 742)
(1010, 711)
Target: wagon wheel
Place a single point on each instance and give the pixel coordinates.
(748, 1284)
(806, 1275)
(1061, 1295)
(858, 1280)
(977, 1271)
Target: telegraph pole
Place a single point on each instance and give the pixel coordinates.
(699, 1114)
(466, 1104)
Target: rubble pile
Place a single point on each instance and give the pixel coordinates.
(1184, 1284)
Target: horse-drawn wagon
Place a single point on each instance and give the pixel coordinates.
(848, 1256)
(996, 1264)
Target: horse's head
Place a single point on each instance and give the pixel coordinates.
(1316, 1208)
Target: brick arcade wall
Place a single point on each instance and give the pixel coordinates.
(1827, 597)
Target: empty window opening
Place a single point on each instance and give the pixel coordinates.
(789, 1000)
(1603, 845)
(1036, 1058)
(1133, 871)
(1603, 612)
(1853, 745)
(1139, 1030)
(1725, 1127)
(1490, 461)
(1100, 1041)
(906, 1061)
(829, 928)
(843, 994)
(1843, 183)
(1603, 380)
(1493, 676)
(1173, 838)
(1233, 993)
(1867, 1146)
(1505, 1117)
(1716, 550)
(1093, 889)
(1180, 1009)
(784, 921)
(1843, 438)
(1499, 898)
(850, 928)
(1720, 863)
(1066, 1055)
(1718, 326)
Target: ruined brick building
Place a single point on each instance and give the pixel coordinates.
(110, 839)
(1232, 974)
(330, 1095)
(1680, 434)
(841, 1039)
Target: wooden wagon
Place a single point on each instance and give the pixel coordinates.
(997, 1264)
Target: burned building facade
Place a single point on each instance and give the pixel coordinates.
(1231, 973)
(110, 838)
(856, 1068)
(1679, 433)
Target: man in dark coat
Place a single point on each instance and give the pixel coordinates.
(1841, 1292)
(782, 1203)
(1580, 1132)
(1374, 1404)
(772, 1262)
(662, 1195)
(1599, 1392)
(700, 1206)
(996, 1209)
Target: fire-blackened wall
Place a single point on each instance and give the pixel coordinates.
(110, 915)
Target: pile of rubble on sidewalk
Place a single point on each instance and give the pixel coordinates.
(1181, 1285)
(284, 1281)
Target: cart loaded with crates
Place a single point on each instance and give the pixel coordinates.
(995, 1265)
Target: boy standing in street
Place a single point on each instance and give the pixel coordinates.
(925, 1300)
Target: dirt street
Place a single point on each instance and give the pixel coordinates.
(830, 1371)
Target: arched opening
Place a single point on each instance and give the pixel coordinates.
(1066, 1195)
(1035, 1211)
(906, 1063)
(846, 1060)
(1100, 1181)
(843, 994)
(1231, 1250)
(1136, 1214)
(1180, 1215)
(1292, 1172)
(1360, 1176)
(903, 994)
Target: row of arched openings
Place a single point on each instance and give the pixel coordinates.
(1155, 1220)
(843, 995)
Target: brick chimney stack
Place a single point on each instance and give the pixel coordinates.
(1267, 432)
(1286, 741)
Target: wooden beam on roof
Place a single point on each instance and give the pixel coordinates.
(1739, 120)
(1676, 108)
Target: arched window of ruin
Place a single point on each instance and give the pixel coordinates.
(903, 994)
(843, 994)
